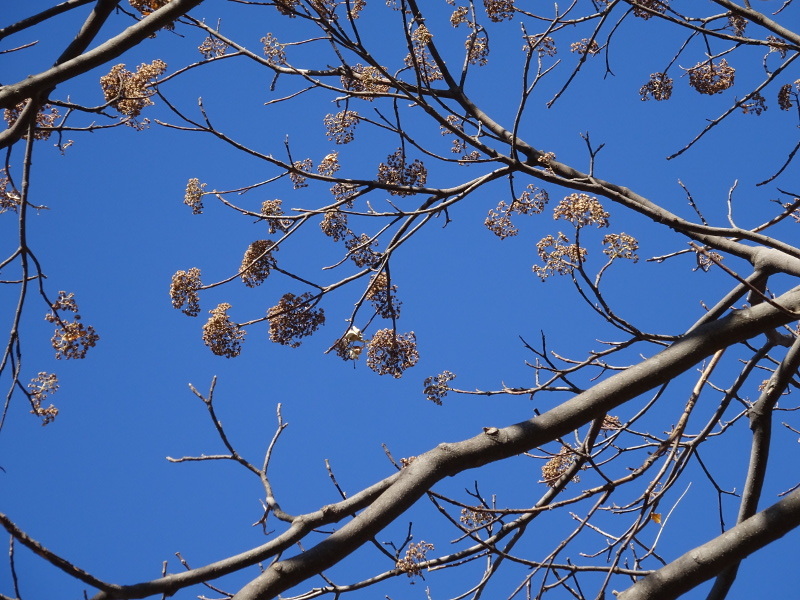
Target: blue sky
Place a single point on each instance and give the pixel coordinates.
(95, 485)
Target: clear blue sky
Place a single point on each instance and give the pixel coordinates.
(95, 485)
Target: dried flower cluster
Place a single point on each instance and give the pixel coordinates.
(621, 245)
(477, 49)
(221, 334)
(420, 59)
(292, 318)
(410, 563)
(344, 192)
(45, 119)
(129, 92)
(475, 518)
(10, 199)
(709, 78)
(273, 50)
(296, 174)
(194, 195)
(389, 353)
(329, 165)
(755, 105)
(554, 468)
(581, 210)
(361, 252)
(72, 339)
(334, 225)
(585, 46)
(350, 345)
(436, 387)
(459, 16)
(396, 172)
(737, 22)
(784, 102)
(499, 10)
(559, 256)
(272, 212)
(611, 423)
(366, 82)
(706, 260)
(659, 6)
(340, 128)
(183, 291)
(257, 262)
(212, 47)
(287, 7)
(148, 6)
(39, 389)
(658, 88)
(542, 44)
(383, 296)
(531, 201)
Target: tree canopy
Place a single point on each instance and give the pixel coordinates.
(520, 276)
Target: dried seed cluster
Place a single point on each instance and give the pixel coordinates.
(585, 46)
(334, 225)
(39, 389)
(396, 172)
(272, 212)
(45, 119)
(361, 252)
(221, 334)
(581, 210)
(475, 518)
(329, 165)
(389, 353)
(183, 291)
(621, 245)
(130, 92)
(366, 82)
(194, 195)
(477, 49)
(420, 59)
(558, 255)
(9, 198)
(554, 468)
(410, 563)
(658, 88)
(383, 296)
(499, 10)
(531, 201)
(436, 387)
(542, 44)
(273, 50)
(710, 78)
(296, 173)
(212, 47)
(292, 318)
(257, 262)
(340, 128)
(659, 6)
(72, 339)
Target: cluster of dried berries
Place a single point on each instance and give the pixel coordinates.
(383, 296)
(554, 468)
(257, 262)
(658, 88)
(542, 44)
(72, 339)
(621, 245)
(296, 174)
(436, 387)
(45, 119)
(709, 78)
(396, 172)
(499, 10)
(273, 50)
(334, 225)
(531, 201)
(366, 82)
(581, 210)
(212, 47)
(361, 252)
(475, 518)
(39, 389)
(611, 423)
(340, 128)
(459, 16)
(419, 58)
(272, 212)
(183, 291)
(755, 105)
(344, 192)
(559, 256)
(658, 6)
(129, 92)
(9, 198)
(477, 49)
(389, 353)
(329, 165)
(294, 317)
(194, 195)
(221, 334)
(585, 46)
(410, 563)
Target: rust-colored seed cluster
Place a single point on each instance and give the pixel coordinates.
(585, 46)
(389, 353)
(272, 212)
(554, 468)
(621, 245)
(72, 339)
(194, 195)
(559, 256)
(410, 563)
(396, 172)
(329, 165)
(273, 50)
(383, 296)
(436, 387)
(361, 252)
(784, 103)
(129, 92)
(710, 78)
(755, 105)
(658, 88)
(45, 119)
(581, 210)
(292, 318)
(365, 81)
(334, 225)
(148, 6)
(183, 291)
(659, 6)
(475, 518)
(212, 47)
(340, 128)
(10, 199)
(221, 334)
(611, 423)
(257, 262)
(499, 10)
(39, 389)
